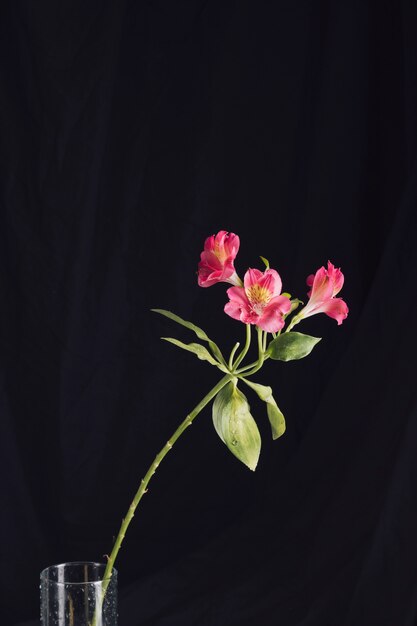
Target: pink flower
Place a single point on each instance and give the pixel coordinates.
(325, 284)
(216, 264)
(259, 301)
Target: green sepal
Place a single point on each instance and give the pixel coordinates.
(199, 350)
(198, 331)
(291, 346)
(235, 425)
(295, 303)
(265, 261)
(275, 415)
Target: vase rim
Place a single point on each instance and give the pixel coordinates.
(44, 572)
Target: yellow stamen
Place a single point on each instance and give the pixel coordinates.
(258, 296)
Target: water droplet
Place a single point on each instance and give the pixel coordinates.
(234, 442)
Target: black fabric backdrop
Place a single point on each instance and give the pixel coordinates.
(130, 131)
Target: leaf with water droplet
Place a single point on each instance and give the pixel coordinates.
(235, 425)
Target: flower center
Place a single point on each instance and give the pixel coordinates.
(258, 297)
(220, 252)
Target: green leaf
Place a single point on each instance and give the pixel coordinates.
(198, 331)
(235, 425)
(291, 346)
(197, 349)
(265, 261)
(275, 415)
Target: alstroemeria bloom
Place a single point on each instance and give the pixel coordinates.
(216, 260)
(325, 284)
(259, 301)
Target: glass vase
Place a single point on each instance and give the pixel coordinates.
(75, 594)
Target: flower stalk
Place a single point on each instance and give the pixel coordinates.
(245, 348)
(143, 487)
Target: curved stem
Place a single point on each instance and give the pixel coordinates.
(261, 358)
(151, 471)
(232, 354)
(245, 348)
(295, 320)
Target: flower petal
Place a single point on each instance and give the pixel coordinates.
(237, 294)
(336, 277)
(322, 286)
(209, 244)
(336, 308)
(207, 278)
(310, 280)
(248, 316)
(234, 309)
(252, 277)
(283, 302)
(272, 281)
(211, 260)
(231, 245)
(271, 319)
(239, 306)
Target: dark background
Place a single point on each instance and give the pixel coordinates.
(130, 131)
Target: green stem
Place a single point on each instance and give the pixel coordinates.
(232, 354)
(295, 320)
(245, 348)
(151, 471)
(246, 368)
(260, 343)
(257, 364)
